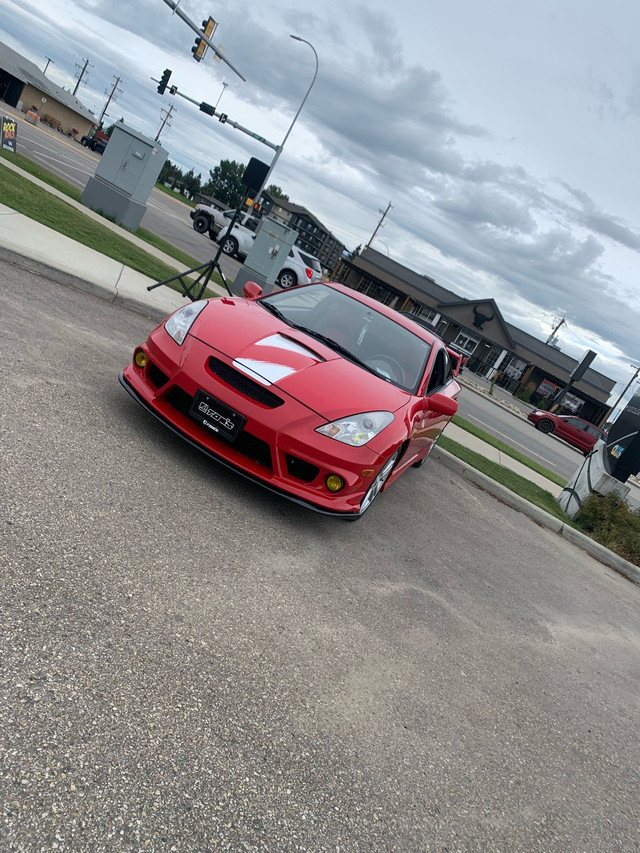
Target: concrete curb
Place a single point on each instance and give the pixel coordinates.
(539, 516)
(128, 290)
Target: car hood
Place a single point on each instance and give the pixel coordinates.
(275, 355)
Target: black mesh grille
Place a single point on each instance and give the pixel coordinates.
(242, 383)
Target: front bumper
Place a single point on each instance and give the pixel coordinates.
(273, 435)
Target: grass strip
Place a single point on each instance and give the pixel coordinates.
(508, 450)
(33, 201)
(509, 479)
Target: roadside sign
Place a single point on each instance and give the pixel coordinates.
(9, 133)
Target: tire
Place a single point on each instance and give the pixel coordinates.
(545, 425)
(287, 278)
(230, 245)
(381, 478)
(201, 223)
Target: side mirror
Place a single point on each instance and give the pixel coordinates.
(441, 405)
(252, 290)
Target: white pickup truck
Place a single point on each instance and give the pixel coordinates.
(215, 223)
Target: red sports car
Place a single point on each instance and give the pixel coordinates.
(318, 393)
(573, 430)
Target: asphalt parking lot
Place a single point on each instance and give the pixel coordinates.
(189, 663)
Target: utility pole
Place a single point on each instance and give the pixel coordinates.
(627, 386)
(112, 94)
(552, 335)
(80, 76)
(166, 118)
(380, 221)
(48, 58)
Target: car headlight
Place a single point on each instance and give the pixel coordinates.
(179, 323)
(357, 429)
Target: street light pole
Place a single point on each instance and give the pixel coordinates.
(224, 89)
(295, 118)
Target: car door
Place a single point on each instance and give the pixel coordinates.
(573, 432)
(426, 424)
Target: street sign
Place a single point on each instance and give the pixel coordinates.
(9, 133)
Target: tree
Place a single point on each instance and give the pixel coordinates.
(225, 182)
(277, 192)
(170, 173)
(191, 184)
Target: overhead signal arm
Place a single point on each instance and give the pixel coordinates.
(203, 40)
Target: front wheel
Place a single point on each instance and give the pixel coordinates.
(287, 278)
(229, 245)
(545, 425)
(376, 487)
(201, 223)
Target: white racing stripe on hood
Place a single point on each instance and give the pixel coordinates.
(280, 342)
(264, 372)
(270, 372)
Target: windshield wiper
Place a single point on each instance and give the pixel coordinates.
(319, 337)
(275, 311)
(334, 345)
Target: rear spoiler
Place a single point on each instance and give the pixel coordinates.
(456, 360)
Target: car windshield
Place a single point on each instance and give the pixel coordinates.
(356, 330)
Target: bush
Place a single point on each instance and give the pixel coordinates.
(609, 520)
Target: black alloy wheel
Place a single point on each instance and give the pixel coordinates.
(201, 223)
(545, 425)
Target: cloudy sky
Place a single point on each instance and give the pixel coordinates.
(505, 134)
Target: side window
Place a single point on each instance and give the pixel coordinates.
(448, 370)
(439, 372)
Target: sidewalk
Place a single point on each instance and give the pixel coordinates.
(27, 243)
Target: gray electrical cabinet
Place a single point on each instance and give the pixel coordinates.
(268, 254)
(125, 176)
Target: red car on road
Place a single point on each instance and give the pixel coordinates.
(317, 392)
(575, 431)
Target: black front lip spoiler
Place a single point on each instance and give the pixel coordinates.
(229, 465)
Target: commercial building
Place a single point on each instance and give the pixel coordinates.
(313, 237)
(492, 347)
(25, 87)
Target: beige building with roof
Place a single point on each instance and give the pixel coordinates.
(26, 88)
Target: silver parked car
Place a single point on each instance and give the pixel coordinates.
(299, 268)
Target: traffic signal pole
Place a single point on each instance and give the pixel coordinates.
(201, 35)
(210, 111)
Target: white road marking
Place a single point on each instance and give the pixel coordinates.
(508, 438)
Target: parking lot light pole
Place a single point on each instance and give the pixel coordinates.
(295, 118)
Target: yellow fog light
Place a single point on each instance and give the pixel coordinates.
(334, 483)
(140, 358)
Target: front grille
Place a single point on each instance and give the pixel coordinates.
(242, 383)
(247, 444)
(301, 470)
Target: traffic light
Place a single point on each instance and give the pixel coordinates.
(207, 108)
(200, 47)
(162, 85)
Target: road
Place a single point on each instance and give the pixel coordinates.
(190, 663)
(518, 433)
